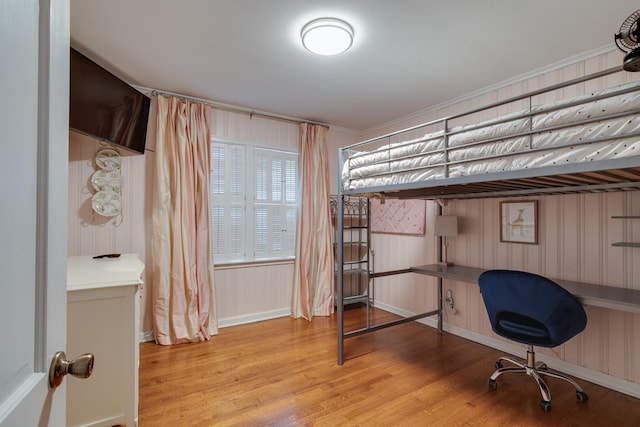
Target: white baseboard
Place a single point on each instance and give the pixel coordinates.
(596, 377)
(146, 336)
(253, 317)
(112, 421)
(226, 322)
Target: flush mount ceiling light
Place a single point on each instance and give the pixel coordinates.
(327, 36)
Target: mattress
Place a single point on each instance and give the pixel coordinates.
(600, 125)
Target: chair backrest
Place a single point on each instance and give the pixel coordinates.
(529, 308)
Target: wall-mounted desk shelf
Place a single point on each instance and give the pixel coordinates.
(611, 297)
(626, 244)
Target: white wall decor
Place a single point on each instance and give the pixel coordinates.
(107, 183)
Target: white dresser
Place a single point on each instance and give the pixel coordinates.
(102, 318)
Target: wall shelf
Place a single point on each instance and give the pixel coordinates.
(626, 244)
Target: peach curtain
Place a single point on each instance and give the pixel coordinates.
(183, 288)
(313, 292)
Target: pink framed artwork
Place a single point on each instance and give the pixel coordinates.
(398, 216)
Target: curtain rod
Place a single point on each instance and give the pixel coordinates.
(231, 108)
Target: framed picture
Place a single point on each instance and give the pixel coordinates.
(519, 221)
(398, 216)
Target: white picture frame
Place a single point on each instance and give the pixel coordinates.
(519, 221)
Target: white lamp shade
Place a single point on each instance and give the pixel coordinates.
(446, 225)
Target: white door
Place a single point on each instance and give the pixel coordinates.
(34, 74)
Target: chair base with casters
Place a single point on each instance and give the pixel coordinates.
(535, 370)
(535, 311)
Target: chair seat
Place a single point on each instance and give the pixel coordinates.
(522, 329)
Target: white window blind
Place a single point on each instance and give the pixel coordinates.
(254, 202)
(228, 202)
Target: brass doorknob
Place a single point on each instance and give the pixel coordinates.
(80, 367)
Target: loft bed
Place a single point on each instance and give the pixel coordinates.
(580, 144)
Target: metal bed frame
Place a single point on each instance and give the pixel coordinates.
(622, 174)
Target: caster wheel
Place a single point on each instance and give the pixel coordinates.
(581, 396)
(543, 367)
(492, 384)
(498, 365)
(546, 406)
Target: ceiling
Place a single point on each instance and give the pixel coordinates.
(407, 55)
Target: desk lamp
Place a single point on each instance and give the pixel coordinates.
(445, 226)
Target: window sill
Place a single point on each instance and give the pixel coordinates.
(251, 264)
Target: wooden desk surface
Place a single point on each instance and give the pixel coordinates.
(589, 294)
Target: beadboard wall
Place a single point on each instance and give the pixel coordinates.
(575, 237)
(261, 291)
(244, 293)
(92, 234)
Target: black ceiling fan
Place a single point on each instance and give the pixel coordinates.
(627, 41)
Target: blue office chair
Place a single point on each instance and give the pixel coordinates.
(532, 310)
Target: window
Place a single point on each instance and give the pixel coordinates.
(254, 202)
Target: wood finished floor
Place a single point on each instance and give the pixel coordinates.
(283, 372)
